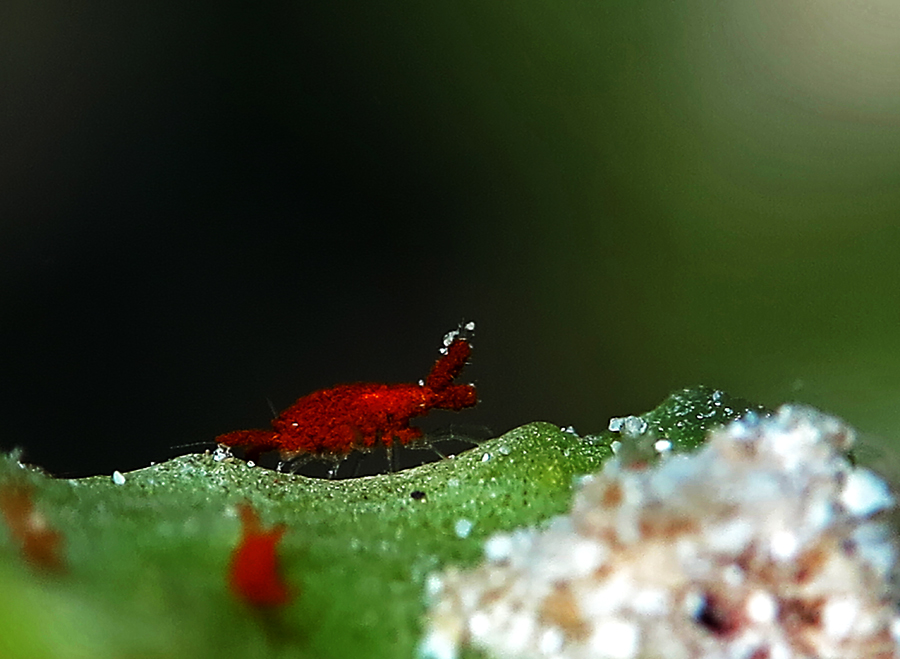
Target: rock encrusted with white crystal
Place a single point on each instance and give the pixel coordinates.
(762, 545)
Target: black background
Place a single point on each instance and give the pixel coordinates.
(205, 206)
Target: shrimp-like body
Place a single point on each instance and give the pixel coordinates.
(253, 573)
(332, 423)
(40, 544)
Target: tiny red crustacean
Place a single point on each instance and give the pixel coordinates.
(40, 544)
(253, 573)
(331, 423)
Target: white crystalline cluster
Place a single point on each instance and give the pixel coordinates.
(762, 545)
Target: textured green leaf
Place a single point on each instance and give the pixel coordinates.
(147, 560)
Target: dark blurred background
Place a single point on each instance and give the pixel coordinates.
(207, 205)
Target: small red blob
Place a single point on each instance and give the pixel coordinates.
(334, 422)
(253, 574)
(40, 544)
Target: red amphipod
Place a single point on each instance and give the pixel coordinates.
(331, 423)
(40, 544)
(253, 573)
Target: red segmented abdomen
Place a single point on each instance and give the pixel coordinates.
(351, 416)
(448, 367)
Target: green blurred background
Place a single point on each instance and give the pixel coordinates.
(203, 206)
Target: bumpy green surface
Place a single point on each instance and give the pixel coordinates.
(147, 560)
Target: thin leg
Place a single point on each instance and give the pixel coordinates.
(335, 466)
(292, 463)
(390, 456)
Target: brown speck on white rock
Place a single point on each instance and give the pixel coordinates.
(765, 544)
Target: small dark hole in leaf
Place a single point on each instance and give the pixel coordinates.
(716, 617)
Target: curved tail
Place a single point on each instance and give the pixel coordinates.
(450, 365)
(455, 354)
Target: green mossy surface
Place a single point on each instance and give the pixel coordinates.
(147, 560)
